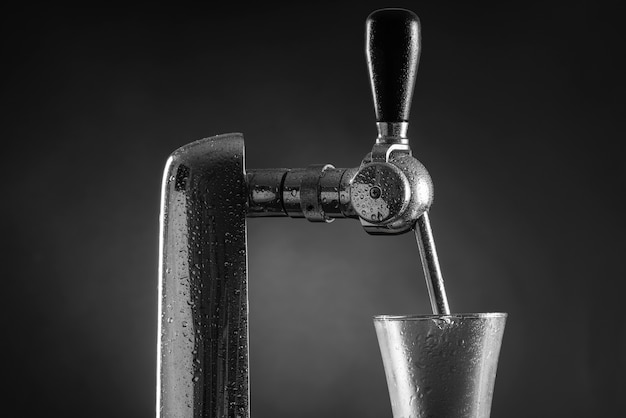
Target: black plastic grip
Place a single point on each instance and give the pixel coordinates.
(392, 49)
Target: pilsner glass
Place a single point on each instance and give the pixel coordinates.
(440, 366)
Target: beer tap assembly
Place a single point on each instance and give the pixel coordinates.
(208, 193)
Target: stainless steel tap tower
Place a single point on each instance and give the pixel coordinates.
(207, 195)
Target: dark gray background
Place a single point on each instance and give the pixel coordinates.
(515, 116)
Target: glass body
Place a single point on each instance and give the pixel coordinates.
(440, 366)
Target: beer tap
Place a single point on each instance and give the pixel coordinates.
(208, 193)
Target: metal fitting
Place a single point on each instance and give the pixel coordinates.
(392, 133)
(319, 193)
(391, 189)
(265, 193)
(387, 193)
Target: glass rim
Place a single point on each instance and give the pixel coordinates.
(417, 317)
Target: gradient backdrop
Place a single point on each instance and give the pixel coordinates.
(514, 114)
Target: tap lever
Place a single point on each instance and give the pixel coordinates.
(392, 50)
(393, 188)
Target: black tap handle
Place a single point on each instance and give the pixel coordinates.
(392, 49)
